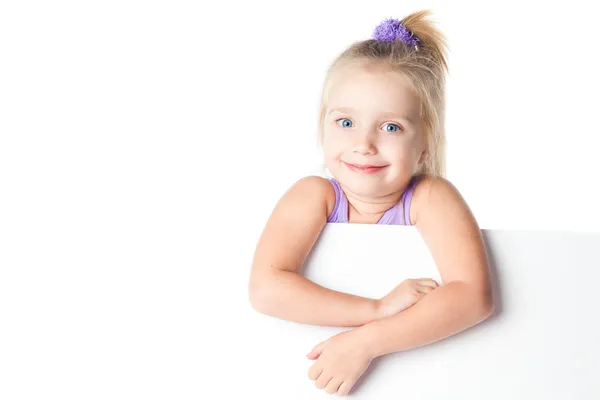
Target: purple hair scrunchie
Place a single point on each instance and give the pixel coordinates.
(392, 29)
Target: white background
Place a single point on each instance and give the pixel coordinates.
(143, 145)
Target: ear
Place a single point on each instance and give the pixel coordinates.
(422, 157)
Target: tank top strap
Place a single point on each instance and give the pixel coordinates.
(397, 215)
(407, 199)
(340, 209)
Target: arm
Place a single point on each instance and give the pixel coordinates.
(452, 235)
(276, 288)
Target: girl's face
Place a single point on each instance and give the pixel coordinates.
(371, 135)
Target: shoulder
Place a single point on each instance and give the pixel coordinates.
(435, 194)
(294, 225)
(453, 236)
(313, 189)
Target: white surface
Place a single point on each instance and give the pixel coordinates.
(541, 343)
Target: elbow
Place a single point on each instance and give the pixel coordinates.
(264, 293)
(486, 305)
(487, 308)
(258, 297)
(479, 301)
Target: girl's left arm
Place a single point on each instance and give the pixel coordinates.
(454, 239)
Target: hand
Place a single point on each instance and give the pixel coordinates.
(404, 296)
(341, 361)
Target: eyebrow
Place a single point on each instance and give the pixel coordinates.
(385, 114)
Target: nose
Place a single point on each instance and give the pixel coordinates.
(365, 142)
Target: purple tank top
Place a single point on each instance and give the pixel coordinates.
(397, 215)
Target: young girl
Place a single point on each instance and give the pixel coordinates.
(380, 126)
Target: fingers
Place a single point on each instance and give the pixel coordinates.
(427, 282)
(323, 380)
(345, 388)
(316, 351)
(315, 371)
(425, 286)
(423, 290)
(333, 385)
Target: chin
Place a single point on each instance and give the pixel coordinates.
(364, 185)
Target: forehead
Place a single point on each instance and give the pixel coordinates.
(372, 89)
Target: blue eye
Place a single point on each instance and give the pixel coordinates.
(395, 129)
(346, 123)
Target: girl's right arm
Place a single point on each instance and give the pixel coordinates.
(276, 287)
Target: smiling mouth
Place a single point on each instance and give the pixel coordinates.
(365, 169)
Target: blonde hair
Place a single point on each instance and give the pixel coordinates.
(425, 67)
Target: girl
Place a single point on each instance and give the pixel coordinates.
(380, 127)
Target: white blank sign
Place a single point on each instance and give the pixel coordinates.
(542, 341)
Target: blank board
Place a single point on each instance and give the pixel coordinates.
(541, 342)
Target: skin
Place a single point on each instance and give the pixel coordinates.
(371, 118)
(376, 103)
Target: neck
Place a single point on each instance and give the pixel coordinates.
(369, 209)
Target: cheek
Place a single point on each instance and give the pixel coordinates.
(332, 143)
(403, 148)
(400, 155)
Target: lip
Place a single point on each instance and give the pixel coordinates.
(365, 169)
